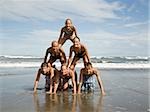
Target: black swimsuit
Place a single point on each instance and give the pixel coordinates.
(81, 53)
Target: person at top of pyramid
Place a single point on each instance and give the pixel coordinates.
(67, 32)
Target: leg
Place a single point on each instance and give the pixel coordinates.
(62, 41)
(85, 59)
(63, 60)
(51, 60)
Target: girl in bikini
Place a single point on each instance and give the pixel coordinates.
(80, 51)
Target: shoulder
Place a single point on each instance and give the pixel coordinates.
(73, 28)
(95, 71)
(72, 47)
(63, 28)
(82, 70)
(49, 49)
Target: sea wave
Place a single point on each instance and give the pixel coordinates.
(97, 65)
(101, 62)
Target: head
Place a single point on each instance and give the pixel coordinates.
(45, 68)
(76, 42)
(63, 68)
(68, 22)
(88, 65)
(55, 45)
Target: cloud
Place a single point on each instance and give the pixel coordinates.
(50, 10)
(137, 24)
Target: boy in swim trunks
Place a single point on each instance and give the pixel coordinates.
(55, 53)
(67, 32)
(47, 70)
(88, 70)
(80, 51)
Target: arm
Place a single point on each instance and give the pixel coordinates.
(57, 79)
(99, 80)
(63, 55)
(80, 81)
(61, 34)
(51, 80)
(87, 54)
(73, 81)
(75, 31)
(37, 80)
(45, 59)
(70, 56)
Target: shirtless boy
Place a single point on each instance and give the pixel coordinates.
(55, 53)
(80, 51)
(88, 70)
(67, 32)
(47, 70)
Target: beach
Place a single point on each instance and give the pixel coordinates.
(127, 90)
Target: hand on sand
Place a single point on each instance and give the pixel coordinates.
(79, 93)
(48, 92)
(74, 93)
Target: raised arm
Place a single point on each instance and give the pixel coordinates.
(37, 80)
(99, 80)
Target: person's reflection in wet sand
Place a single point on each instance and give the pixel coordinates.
(52, 103)
(89, 103)
(99, 107)
(36, 102)
(66, 102)
(74, 103)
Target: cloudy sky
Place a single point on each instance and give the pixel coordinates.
(106, 27)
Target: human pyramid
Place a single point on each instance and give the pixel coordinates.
(57, 80)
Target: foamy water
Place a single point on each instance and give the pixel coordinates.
(128, 62)
(97, 65)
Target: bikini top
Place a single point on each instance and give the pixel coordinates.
(81, 52)
(69, 31)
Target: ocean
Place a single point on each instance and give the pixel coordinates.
(128, 62)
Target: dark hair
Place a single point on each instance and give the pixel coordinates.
(76, 38)
(67, 20)
(44, 65)
(88, 64)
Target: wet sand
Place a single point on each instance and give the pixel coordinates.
(126, 91)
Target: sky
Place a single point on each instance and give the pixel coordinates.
(105, 27)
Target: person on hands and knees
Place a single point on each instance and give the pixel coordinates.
(47, 70)
(67, 74)
(88, 70)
